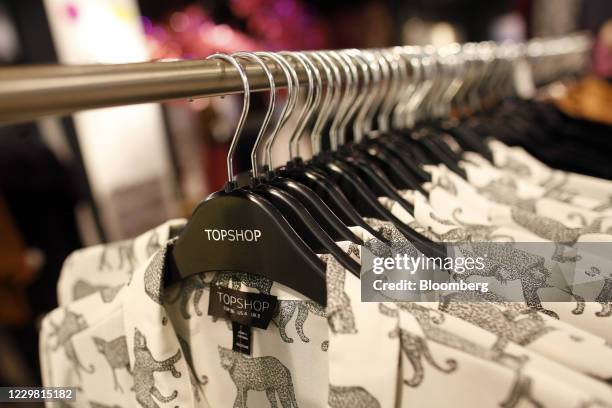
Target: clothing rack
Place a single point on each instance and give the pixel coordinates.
(27, 93)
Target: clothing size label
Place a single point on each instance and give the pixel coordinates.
(245, 308)
(241, 338)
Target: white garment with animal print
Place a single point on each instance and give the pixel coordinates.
(445, 359)
(508, 201)
(584, 265)
(487, 348)
(116, 349)
(585, 191)
(582, 333)
(106, 267)
(517, 323)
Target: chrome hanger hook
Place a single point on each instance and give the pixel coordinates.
(335, 97)
(269, 112)
(393, 90)
(362, 91)
(312, 101)
(406, 86)
(352, 98)
(292, 80)
(246, 102)
(322, 116)
(345, 99)
(379, 82)
(373, 75)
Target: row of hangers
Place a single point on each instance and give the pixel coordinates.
(374, 117)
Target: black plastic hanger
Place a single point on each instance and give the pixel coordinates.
(292, 209)
(402, 176)
(239, 231)
(329, 192)
(367, 203)
(318, 181)
(372, 175)
(360, 163)
(397, 149)
(347, 176)
(423, 136)
(305, 225)
(332, 225)
(382, 158)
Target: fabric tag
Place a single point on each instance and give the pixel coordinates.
(246, 308)
(241, 338)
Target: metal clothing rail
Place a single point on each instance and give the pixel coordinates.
(27, 93)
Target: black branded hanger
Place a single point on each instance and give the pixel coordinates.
(345, 174)
(278, 253)
(292, 209)
(383, 178)
(318, 181)
(313, 203)
(402, 172)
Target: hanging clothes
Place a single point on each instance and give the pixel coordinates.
(128, 332)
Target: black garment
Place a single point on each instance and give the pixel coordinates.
(555, 138)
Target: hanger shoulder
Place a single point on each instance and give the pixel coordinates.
(331, 195)
(319, 210)
(306, 226)
(242, 232)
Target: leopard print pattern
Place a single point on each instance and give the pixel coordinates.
(398, 244)
(116, 354)
(153, 277)
(520, 391)
(82, 289)
(515, 167)
(430, 321)
(466, 232)
(262, 284)
(604, 298)
(286, 310)
(145, 365)
(505, 191)
(445, 183)
(351, 397)
(194, 285)
(123, 253)
(415, 348)
(246, 374)
(554, 231)
(551, 229)
(340, 315)
(72, 324)
(510, 321)
(507, 263)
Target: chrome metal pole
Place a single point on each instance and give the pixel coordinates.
(27, 93)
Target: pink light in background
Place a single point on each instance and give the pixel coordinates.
(72, 11)
(271, 24)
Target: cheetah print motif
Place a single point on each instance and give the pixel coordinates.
(72, 324)
(145, 365)
(245, 373)
(351, 397)
(116, 354)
